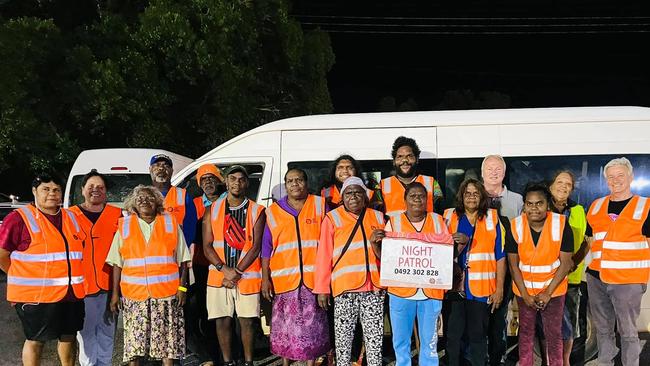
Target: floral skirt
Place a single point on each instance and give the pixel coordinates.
(153, 329)
(299, 327)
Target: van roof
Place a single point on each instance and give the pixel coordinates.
(448, 118)
(133, 160)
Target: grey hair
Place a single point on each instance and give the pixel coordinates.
(495, 156)
(130, 201)
(619, 162)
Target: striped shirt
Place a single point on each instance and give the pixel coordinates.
(239, 214)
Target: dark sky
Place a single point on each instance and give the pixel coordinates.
(591, 54)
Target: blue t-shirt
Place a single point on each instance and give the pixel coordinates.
(190, 219)
(466, 228)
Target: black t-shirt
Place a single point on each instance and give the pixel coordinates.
(565, 246)
(92, 216)
(615, 208)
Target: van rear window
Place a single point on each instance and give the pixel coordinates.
(118, 187)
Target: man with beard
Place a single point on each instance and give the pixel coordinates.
(177, 201)
(406, 155)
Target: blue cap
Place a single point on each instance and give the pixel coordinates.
(161, 157)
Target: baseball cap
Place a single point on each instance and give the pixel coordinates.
(208, 169)
(235, 169)
(161, 157)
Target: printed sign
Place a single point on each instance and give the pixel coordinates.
(408, 262)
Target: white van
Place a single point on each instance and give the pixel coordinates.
(123, 168)
(534, 143)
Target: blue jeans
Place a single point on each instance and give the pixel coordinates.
(402, 317)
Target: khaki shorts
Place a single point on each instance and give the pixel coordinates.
(221, 302)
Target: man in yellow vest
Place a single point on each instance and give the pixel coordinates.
(618, 231)
(41, 248)
(177, 201)
(406, 156)
(232, 239)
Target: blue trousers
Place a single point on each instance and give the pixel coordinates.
(402, 318)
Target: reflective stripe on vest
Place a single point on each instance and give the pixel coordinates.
(350, 269)
(31, 220)
(428, 183)
(291, 270)
(294, 245)
(597, 205)
(149, 280)
(31, 281)
(337, 218)
(519, 224)
(539, 269)
(138, 262)
(47, 257)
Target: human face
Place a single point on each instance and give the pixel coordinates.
(471, 198)
(619, 180)
(562, 187)
(161, 172)
(493, 172)
(416, 201)
(237, 184)
(209, 184)
(94, 191)
(354, 198)
(344, 170)
(405, 162)
(48, 196)
(146, 204)
(296, 185)
(535, 206)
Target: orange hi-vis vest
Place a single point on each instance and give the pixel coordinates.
(150, 268)
(99, 237)
(175, 203)
(359, 260)
(335, 195)
(538, 264)
(619, 250)
(251, 281)
(393, 192)
(51, 263)
(295, 240)
(481, 262)
(433, 224)
(200, 207)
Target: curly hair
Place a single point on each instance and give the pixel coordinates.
(538, 187)
(130, 201)
(405, 141)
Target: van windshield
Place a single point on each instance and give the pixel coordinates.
(118, 187)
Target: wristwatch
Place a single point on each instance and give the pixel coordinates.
(219, 266)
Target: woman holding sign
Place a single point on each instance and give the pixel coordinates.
(347, 262)
(407, 303)
(477, 235)
(539, 253)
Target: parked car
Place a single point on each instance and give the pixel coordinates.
(8, 203)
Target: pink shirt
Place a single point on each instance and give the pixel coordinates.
(323, 275)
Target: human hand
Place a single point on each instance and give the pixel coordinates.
(495, 299)
(324, 301)
(267, 289)
(529, 301)
(542, 299)
(230, 274)
(377, 236)
(460, 238)
(180, 298)
(115, 304)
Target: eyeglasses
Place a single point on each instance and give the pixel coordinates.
(144, 199)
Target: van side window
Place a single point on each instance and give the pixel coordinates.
(255, 172)
(588, 169)
(373, 171)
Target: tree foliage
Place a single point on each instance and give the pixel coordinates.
(184, 75)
